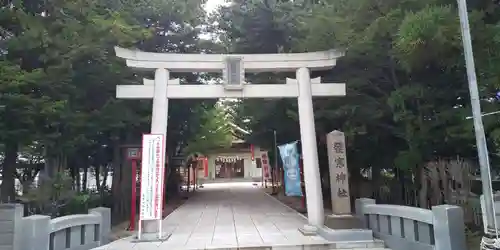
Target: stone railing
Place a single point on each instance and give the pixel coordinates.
(39, 232)
(402, 227)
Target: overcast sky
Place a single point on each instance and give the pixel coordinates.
(211, 5)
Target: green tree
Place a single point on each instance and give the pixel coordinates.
(47, 47)
(214, 132)
(404, 70)
(59, 74)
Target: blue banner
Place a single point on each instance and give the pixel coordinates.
(290, 157)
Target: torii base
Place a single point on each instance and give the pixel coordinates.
(344, 221)
(308, 230)
(152, 237)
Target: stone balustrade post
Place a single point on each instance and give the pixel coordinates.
(359, 205)
(36, 232)
(105, 228)
(449, 228)
(11, 216)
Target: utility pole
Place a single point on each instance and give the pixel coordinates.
(488, 241)
(485, 114)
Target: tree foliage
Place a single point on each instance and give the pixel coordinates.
(214, 132)
(404, 69)
(58, 74)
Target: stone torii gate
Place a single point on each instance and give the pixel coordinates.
(233, 67)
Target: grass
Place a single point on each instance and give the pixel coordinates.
(473, 238)
(473, 242)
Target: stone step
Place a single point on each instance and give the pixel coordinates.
(308, 247)
(369, 244)
(377, 248)
(360, 245)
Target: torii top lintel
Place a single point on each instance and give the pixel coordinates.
(216, 62)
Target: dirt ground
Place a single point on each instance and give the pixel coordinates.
(474, 240)
(293, 202)
(296, 203)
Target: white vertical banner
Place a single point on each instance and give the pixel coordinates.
(152, 174)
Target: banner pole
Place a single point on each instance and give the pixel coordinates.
(134, 196)
(275, 150)
(139, 229)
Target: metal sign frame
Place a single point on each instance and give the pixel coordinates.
(153, 163)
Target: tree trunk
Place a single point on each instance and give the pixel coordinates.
(26, 186)
(376, 180)
(85, 176)
(125, 193)
(97, 174)
(73, 173)
(402, 184)
(103, 184)
(417, 186)
(63, 162)
(424, 189)
(78, 178)
(47, 170)
(28, 179)
(105, 174)
(117, 175)
(355, 182)
(7, 188)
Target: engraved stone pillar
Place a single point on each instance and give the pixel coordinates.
(339, 184)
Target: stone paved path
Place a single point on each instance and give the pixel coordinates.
(229, 216)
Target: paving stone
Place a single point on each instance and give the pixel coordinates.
(241, 216)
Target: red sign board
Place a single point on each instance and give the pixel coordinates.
(133, 153)
(265, 165)
(205, 166)
(252, 151)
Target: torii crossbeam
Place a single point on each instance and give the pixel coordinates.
(205, 91)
